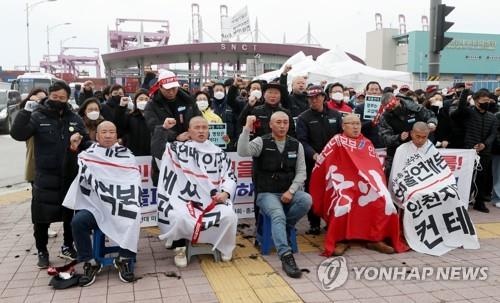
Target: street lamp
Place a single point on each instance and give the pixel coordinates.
(28, 7)
(48, 40)
(64, 40)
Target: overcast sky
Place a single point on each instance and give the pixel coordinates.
(333, 22)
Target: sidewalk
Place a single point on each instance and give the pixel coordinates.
(248, 278)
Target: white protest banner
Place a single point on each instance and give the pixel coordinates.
(435, 220)
(240, 22)
(108, 186)
(191, 174)
(149, 201)
(372, 104)
(461, 163)
(226, 30)
(216, 134)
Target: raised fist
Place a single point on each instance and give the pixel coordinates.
(250, 122)
(169, 123)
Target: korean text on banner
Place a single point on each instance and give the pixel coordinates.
(372, 104)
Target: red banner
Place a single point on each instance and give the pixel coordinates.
(350, 193)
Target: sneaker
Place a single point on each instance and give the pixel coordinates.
(314, 231)
(168, 243)
(52, 233)
(89, 274)
(481, 207)
(340, 248)
(226, 258)
(289, 266)
(497, 204)
(68, 253)
(124, 270)
(380, 247)
(43, 259)
(180, 258)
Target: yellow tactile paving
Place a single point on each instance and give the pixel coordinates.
(247, 278)
(17, 196)
(488, 230)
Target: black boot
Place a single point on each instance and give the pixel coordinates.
(289, 266)
(479, 206)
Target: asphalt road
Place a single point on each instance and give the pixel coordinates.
(12, 157)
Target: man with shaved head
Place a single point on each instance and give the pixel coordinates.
(203, 166)
(107, 170)
(423, 185)
(296, 101)
(349, 192)
(280, 172)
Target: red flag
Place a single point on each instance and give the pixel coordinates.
(350, 193)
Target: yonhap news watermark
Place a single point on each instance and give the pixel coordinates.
(334, 272)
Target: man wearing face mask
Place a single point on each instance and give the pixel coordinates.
(132, 125)
(167, 115)
(337, 100)
(297, 99)
(54, 127)
(396, 123)
(116, 94)
(480, 132)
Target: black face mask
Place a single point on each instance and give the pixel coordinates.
(116, 99)
(56, 105)
(484, 106)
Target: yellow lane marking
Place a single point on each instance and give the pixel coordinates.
(488, 230)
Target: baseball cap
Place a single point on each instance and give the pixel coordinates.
(315, 90)
(168, 79)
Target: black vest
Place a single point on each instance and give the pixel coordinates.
(275, 171)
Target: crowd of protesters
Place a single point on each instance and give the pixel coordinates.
(160, 112)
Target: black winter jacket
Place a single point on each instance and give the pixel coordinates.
(55, 165)
(155, 113)
(479, 127)
(136, 135)
(296, 103)
(367, 129)
(263, 114)
(315, 129)
(392, 125)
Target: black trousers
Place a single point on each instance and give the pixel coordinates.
(484, 180)
(42, 238)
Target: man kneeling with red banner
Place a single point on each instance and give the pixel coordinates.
(349, 192)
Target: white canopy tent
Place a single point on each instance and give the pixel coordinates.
(336, 66)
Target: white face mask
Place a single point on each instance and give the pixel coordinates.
(219, 95)
(202, 104)
(141, 105)
(92, 115)
(256, 93)
(337, 96)
(438, 104)
(346, 99)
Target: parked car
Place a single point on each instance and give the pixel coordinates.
(9, 99)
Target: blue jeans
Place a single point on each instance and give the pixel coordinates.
(495, 168)
(83, 223)
(283, 214)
